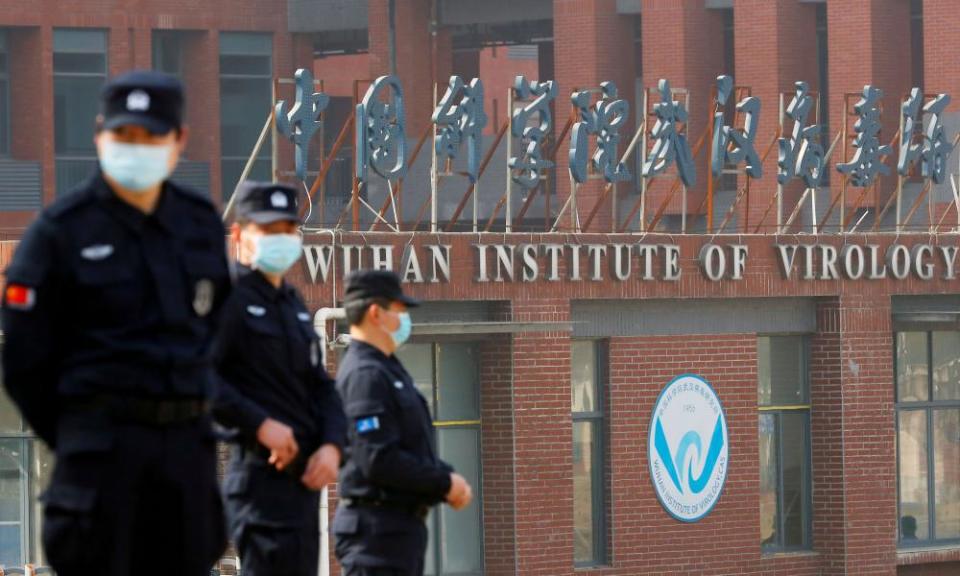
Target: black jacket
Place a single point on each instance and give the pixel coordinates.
(269, 365)
(102, 299)
(392, 453)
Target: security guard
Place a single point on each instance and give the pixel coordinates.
(275, 392)
(392, 475)
(109, 313)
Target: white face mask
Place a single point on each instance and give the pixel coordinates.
(136, 167)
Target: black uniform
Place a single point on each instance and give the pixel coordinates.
(268, 358)
(270, 365)
(392, 474)
(108, 320)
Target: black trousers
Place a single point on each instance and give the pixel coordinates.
(131, 499)
(273, 519)
(364, 571)
(379, 542)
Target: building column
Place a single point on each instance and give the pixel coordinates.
(496, 405)
(543, 442)
(684, 44)
(141, 53)
(775, 46)
(940, 45)
(826, 426)
(854, 435)
(201, 77)
(869, 43)
(594, 45)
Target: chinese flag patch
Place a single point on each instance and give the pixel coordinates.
(19, 297)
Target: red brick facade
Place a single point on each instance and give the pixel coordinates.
(527, 482)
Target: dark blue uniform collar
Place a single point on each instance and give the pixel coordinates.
(259, 283)
(365, 349)
(164, 213)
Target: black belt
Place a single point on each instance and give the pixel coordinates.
(145, 411)
(419, 511)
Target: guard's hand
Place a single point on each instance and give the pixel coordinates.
(460, 493)
(278, 438)
(322, 467)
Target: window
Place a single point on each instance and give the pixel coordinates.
(25, 468)
(447, 375)
(168, 52)
(246, 98)
(589, 459)
(79, 72)
(928, 436)
(784, 437)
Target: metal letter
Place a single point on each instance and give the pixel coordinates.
(530, 165)
(302, 122)
(670, 145)
(801, 154)
(867, 161)
(909, 150)
(604, 120)
(457, 120)
(936, 145)
(742, 141)
(380, 137)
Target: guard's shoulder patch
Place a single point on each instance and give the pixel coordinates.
(368, 424)
(19, 297)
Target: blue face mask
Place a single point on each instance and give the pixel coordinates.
(276, 253)
(136, 167)
(402, 333)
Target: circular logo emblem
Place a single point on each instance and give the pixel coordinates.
(687, 448)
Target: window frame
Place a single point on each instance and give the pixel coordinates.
(266, 152)
(91, 157)
(31, 548)
(433, 404)
(157, 37)
(599, 474)
(929, 407)
(778, 410)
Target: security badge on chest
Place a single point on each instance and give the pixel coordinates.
(203, 297)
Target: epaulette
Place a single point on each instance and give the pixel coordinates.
(191, 194)
(78, 197)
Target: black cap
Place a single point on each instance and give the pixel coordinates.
(266, 202)
(153, 100)
(366, 285)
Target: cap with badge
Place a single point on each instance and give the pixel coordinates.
(368, 285)
(266, 202)
(153, 100)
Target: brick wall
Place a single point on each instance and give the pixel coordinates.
(853, 441)
(497, 438)
(689, 53)
(130, 24)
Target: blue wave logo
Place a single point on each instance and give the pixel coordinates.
(673, 461)
(688, 448)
